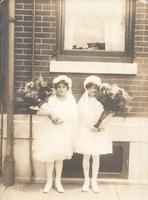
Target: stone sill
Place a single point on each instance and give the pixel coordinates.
(93, 67)
(130, 129)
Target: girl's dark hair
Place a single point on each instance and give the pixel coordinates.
(88, 85)
(63, 82)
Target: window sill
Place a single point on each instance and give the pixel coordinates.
(93, 67)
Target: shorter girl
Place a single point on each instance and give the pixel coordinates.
(55, 143)
(90, 142)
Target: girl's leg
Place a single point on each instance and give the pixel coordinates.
(49, 172)
(95, 169)
(59, 167)
(86, 166)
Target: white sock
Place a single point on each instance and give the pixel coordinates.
(95, 167)
(86, 166)
(49, 171)
(59, 168)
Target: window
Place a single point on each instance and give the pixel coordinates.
(96, 29)
(114, 165)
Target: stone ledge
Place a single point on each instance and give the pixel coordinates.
(132, 129)
(93, 67)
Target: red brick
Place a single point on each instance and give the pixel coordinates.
(141, 21)
(141, 44)
(18, 28)
(22, 1)
(43, 1)
(20, 34)
(142, 10)
(38, 18)
(38, 40)
(140, 16)
(23, 12)
(28, 51)
(139, 38)
(24, 23)
(18, 40)
(50, 7)
(19, 17)
(139, 49)
(146, 38)
(42, 68)
(141, 32)
(27, 18)
(27, 40)
(19, 6)
(28, 6)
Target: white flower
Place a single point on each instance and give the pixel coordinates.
(105, 86)
(125, 95)
(115, 89)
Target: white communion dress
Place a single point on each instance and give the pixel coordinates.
(55, 141)
(87, 141)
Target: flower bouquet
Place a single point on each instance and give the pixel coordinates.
(35, 93)
(115, 101)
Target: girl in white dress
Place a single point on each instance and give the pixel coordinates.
(89, 141)
(55, 143)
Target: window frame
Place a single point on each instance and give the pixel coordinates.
(97, 56)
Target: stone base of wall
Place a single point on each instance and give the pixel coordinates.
(134, 130)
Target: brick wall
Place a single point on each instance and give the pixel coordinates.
(23, 41)
(45, 38)
(139, 85)
(45, 43)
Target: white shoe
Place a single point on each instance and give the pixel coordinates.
(94, 186)
(59, 186)
(47, 187)
(85, 187)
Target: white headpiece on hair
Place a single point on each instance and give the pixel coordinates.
(92, 79)
(63, 78)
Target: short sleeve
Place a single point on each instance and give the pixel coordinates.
(46, 106)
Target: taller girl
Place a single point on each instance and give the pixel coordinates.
(90, 142)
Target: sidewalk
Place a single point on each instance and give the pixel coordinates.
(73, 192)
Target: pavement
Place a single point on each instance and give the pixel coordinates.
(73, 191)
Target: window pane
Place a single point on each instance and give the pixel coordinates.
(95, 25)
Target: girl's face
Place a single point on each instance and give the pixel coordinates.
(92, 91)
(61, 90)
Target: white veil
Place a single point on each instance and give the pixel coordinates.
(89, 109)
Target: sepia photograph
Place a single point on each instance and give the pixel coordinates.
(73, 99)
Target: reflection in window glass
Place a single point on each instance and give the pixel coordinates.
(95, 25)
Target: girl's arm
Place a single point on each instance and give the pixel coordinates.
(44, 110)
(105, 121)
(43, 113)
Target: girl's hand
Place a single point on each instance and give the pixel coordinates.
(58, 121)
(54, 117)
(94, 129)
(101, 127)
